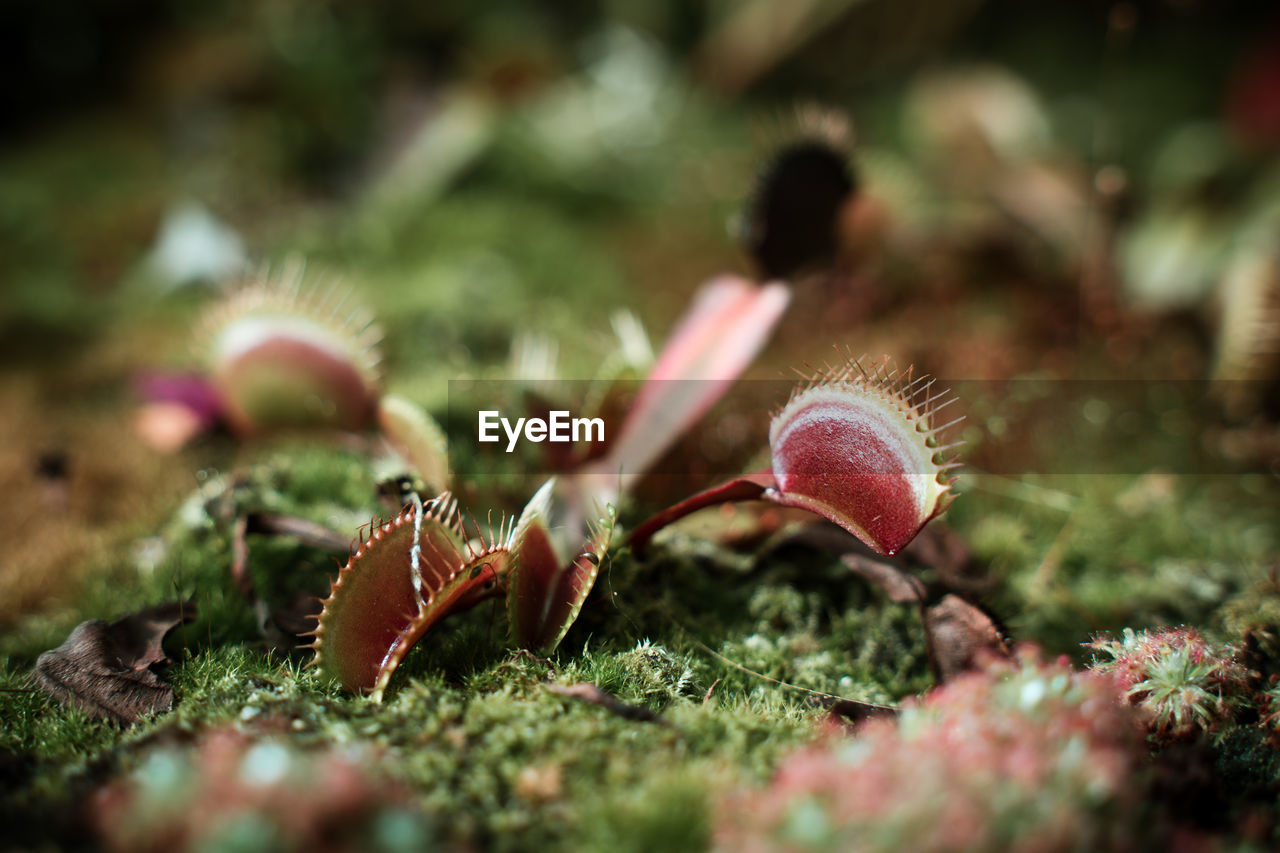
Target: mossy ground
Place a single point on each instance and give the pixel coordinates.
(495, 759)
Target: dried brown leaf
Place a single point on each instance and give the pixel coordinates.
(960, 636)
(109, 670)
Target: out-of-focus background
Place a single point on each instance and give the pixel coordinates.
(150, 145)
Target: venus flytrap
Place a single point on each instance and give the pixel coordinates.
(417, 569)
(554, 571)
(858, 446)
(410, 573)
(281, 354)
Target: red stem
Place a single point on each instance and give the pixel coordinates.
(749, 487)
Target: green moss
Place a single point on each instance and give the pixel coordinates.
(1100, 553)
(469, 725)
(668, 811)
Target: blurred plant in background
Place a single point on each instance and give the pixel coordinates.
(232, 791)
(1182, 684)
(1026, 755)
